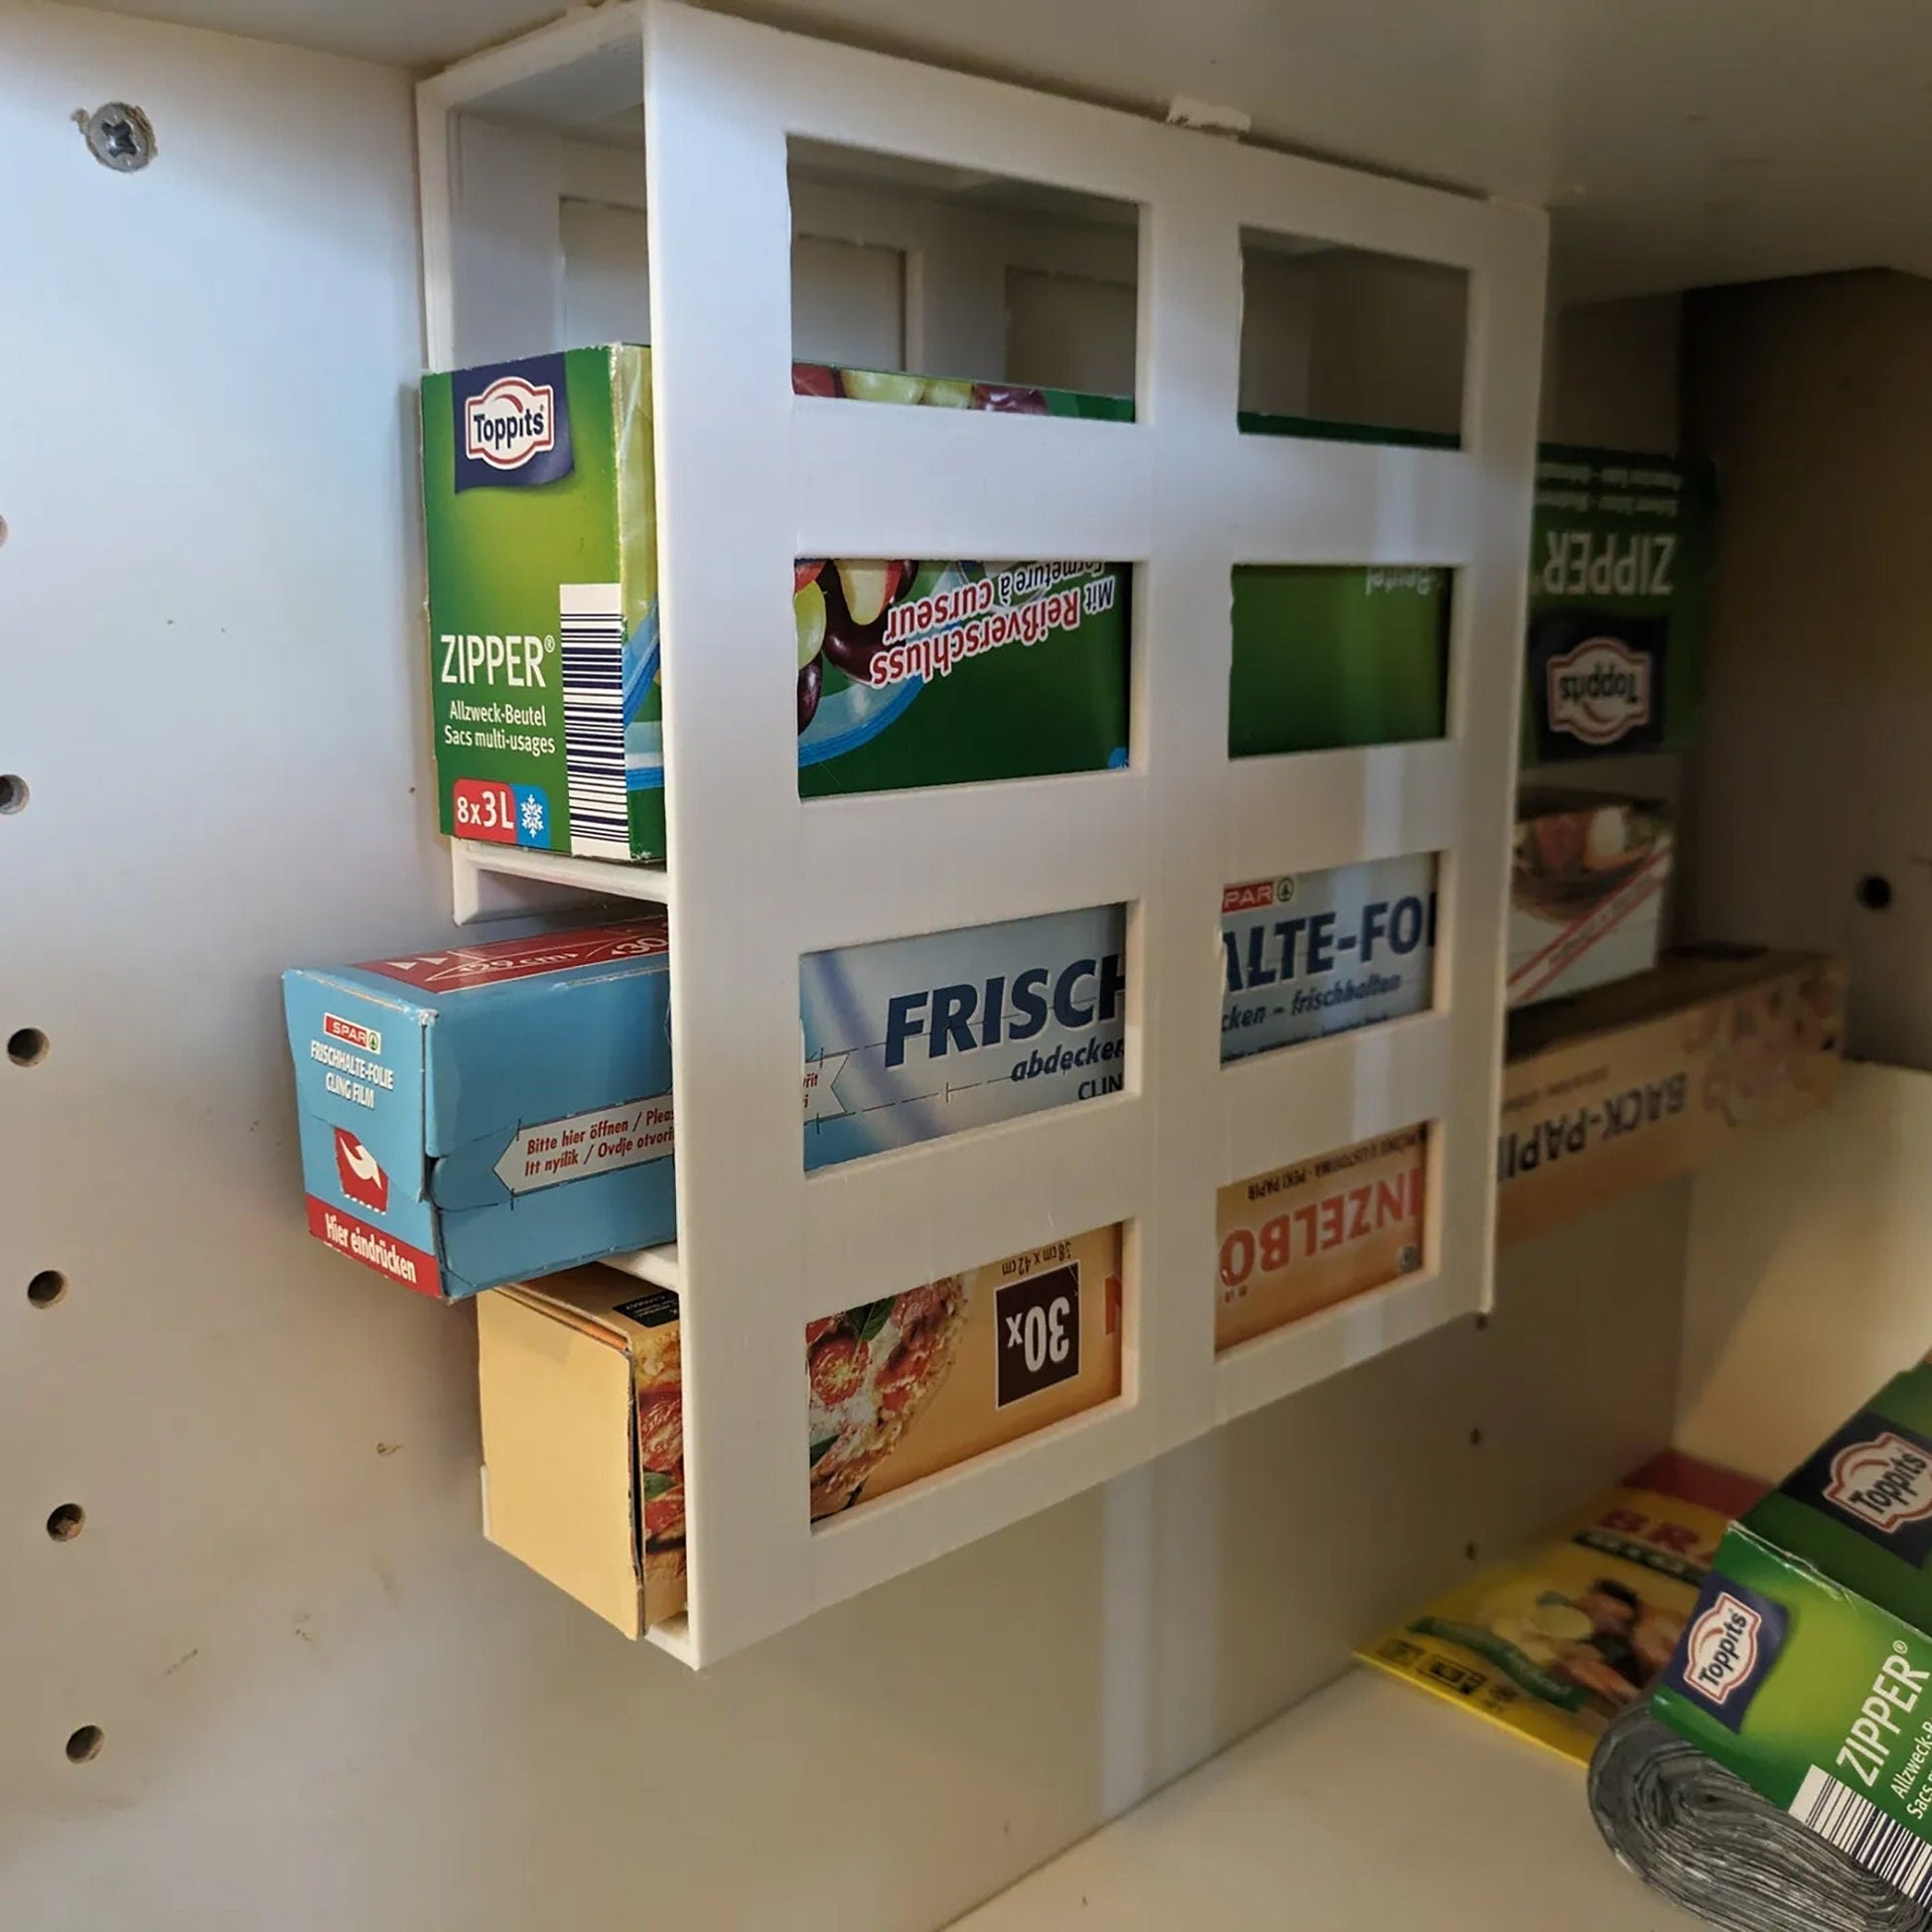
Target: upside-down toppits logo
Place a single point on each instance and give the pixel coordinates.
(1599, 691)
(1885, 1482)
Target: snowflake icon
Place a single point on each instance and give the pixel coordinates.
(531, 812)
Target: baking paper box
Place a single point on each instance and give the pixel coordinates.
(1624, 1086)
(583, 1405)
(1806, 1666)
(475, 1115)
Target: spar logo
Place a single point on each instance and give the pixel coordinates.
(1720, 1649)
(508, 423)
(365, 1038)
(1885, 1482)
(360, 1173)
(1599, 691)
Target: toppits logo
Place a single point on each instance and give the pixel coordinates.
(1720, 1649)
(1885, 1482)
(360, 1173)
(1599, 691)
(509, 422)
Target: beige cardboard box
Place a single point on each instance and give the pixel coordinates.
(1307, 1236)
(583, 1410)
(1585, 892)
(1648, 1078)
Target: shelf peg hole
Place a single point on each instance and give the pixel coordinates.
(13, 792)
(27, 1046)
(1875, 892)
(47, 1287)
(83, 1745)
(66, 1521)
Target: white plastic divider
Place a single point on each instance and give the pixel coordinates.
(1377, 802)
(748, 477)
(658, 1266)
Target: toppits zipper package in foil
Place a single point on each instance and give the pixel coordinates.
(1806, 1664)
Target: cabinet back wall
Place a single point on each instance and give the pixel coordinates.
(326, 1703)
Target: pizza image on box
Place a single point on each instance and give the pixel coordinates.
(874, 1369)
(659, 1368)
(907, 1386)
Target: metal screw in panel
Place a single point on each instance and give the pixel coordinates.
(118, 135)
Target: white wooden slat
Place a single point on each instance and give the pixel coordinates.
(1335, 807)
(1294, 499)
(1335, 1339)
(932, 860)
(591, 876)
(1324, 1094)
(658, 1266)
(880, 480)
(1501, 390)
(920, 1212)
(852, 1552)
(1190, 379)
(720, 251)
(581, 66)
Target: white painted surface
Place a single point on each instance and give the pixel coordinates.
(847, 298)
(1679, 145)
(1812, 1244)
(1818, 703)
(328, 1705)
(1369, 1806)
(750, 477)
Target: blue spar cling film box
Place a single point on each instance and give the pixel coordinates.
(478, 1115)
(1322, 952)
(907, 1040)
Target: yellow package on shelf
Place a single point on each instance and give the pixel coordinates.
(1556, 1642)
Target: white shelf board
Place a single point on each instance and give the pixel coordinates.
(656, 1264)
(477, 869)
(1367, 1807)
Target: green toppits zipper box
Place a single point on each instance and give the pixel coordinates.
(1620, 579)
(1806, 1666)
(540, 508)
(1333, 656)
(1621, 555)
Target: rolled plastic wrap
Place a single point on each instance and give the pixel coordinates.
(1705, 1839)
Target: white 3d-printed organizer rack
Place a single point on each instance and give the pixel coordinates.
(749, 477)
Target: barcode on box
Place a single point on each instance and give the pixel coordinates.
(591, 626)
(1886, 1848)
